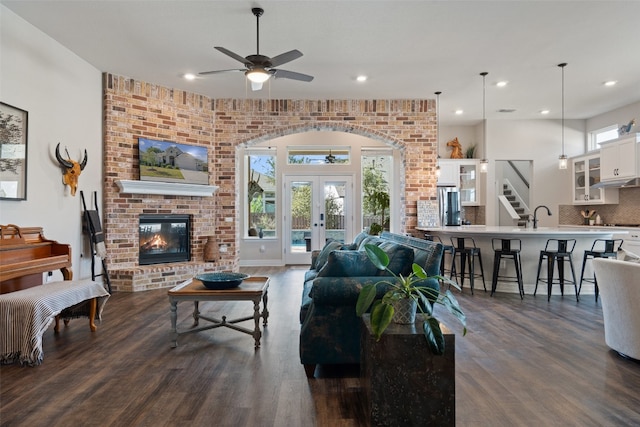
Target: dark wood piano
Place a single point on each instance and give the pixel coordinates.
(25, 254)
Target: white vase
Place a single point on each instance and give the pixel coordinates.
(404, 311)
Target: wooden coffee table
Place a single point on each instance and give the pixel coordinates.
(251, 289)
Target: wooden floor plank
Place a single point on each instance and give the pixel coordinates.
(523, 363)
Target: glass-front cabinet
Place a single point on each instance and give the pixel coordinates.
(586, 173)
(462, 173)
(468, 172)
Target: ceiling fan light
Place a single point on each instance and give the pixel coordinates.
(258, 75)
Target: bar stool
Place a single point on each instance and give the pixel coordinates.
(508, 248)
(557, 250)
(466, 248)
(601, 248)
(446, 249)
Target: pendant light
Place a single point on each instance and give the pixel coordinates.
(563, 158)
(437, 133)
(484, 163)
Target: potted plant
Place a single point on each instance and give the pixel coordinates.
(375, 229)
(407, 289)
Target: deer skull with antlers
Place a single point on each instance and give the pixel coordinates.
(71, 169)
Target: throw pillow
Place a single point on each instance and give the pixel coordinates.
(358, 240)
(324, 253)
(348, 264)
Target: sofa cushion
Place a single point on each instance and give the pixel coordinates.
(306, 299)
(357, 241)
(324, 253)
(369, 239)
(400, 258)
(348, 264)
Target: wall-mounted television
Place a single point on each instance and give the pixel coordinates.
(168, 161)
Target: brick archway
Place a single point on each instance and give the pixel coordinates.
(134, 108)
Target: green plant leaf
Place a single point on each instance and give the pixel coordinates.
(378, 257)
(419, 271)
(424, 303)
(365, 298)
(451, 303)
(434, 336)
(448, 282)
(381, 316)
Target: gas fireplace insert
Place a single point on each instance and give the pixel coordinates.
(164, 239)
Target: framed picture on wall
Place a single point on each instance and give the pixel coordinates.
(13, 152)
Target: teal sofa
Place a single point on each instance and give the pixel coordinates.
(330, 329)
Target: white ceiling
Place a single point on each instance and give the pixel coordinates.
(409, 49)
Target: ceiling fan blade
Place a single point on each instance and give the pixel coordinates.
(204, 73)
(234, 55)
(285, 57)
(256, 86)
(284, 74)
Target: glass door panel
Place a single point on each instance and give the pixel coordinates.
(317, 209)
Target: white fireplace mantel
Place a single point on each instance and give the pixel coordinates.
(165, 188)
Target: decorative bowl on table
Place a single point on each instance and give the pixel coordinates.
(221, 280)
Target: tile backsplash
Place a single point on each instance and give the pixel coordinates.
(627, 211)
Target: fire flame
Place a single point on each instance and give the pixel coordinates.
(156, 242)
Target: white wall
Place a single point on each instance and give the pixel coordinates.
(63, 95)
(620, 116)
(537, 140)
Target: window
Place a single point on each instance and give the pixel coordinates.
(318, 156)
(599, 136)
(376, 179)
(261, 193)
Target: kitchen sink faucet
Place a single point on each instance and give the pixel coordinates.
(535, 215)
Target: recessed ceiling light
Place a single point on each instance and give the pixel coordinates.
(189, 76)
(361, 78)
(502, 83)
(544, 111)
(459, 112)
(610, 83)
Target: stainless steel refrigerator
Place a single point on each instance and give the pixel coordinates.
(449, 205)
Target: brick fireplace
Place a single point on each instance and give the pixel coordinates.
(134, 108)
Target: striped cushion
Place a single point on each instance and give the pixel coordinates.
(27, 313)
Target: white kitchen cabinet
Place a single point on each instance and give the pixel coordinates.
(621, 158)
(448, 173)
(586, 173)
(462, 173)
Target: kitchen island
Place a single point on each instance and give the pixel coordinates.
(533, 241)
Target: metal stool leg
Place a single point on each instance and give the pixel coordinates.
(516, 260)
(550, 261)
(496, 266)
(484, 285)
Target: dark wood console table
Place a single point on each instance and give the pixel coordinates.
(403, 383)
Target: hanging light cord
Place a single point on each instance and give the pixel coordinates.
(438, 123)
(484, 160)
(564, 64)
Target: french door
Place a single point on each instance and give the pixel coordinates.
(317, 208)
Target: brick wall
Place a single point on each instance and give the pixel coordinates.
(134, 108)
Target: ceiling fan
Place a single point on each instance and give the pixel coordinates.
(330, 158)
(259, 68)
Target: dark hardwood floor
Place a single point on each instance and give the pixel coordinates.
(522, 363)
